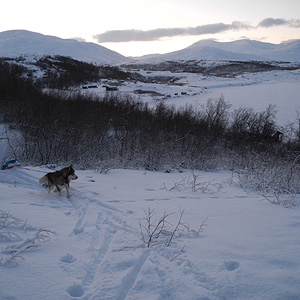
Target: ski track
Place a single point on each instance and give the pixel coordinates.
(98, 223)
(114, 269)
(116, 264)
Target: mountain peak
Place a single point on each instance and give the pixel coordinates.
(23, 42)
(242, 50)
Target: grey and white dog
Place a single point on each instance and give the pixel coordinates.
(59, 179)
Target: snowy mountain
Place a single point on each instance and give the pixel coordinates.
(22, 42)
(242, 50)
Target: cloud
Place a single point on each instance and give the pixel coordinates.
(270, 22)
(117, 36)
(216, 28)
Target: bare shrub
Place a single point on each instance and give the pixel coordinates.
(9, 224)
(176, 185)
(205, 187)
(160, 231)
(14, 251)
(193, 182)
(278, 181)
(7, 220)
(284, 199)
(216, 114)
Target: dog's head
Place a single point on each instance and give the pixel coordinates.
(71, 174)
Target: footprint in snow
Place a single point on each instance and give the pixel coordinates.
(75, 290)
(68, 258)
(231, 265)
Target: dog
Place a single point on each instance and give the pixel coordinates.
(59, 179)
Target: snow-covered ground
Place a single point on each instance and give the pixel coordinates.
(231, 244)
(253, 90)
(91, 246)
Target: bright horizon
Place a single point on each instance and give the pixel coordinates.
(140, 27)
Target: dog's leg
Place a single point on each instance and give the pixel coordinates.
(68, 190)
(58, 189)
(49, 186)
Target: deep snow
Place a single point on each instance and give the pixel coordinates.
(248, 249)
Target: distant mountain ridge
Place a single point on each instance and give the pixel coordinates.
(240, 50)
(22, 42)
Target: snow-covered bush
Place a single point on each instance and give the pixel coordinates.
(12, 253)
(277, 180)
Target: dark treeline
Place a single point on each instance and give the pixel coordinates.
(60, 72)
(63, 127)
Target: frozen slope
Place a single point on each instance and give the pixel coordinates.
(248, 249)
(22, 42)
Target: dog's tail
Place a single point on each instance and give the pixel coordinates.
(44, 180)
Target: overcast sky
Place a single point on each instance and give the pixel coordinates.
(138, 27)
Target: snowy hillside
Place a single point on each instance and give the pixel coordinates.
(242, 50)
(230, 245)
(21, 42)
